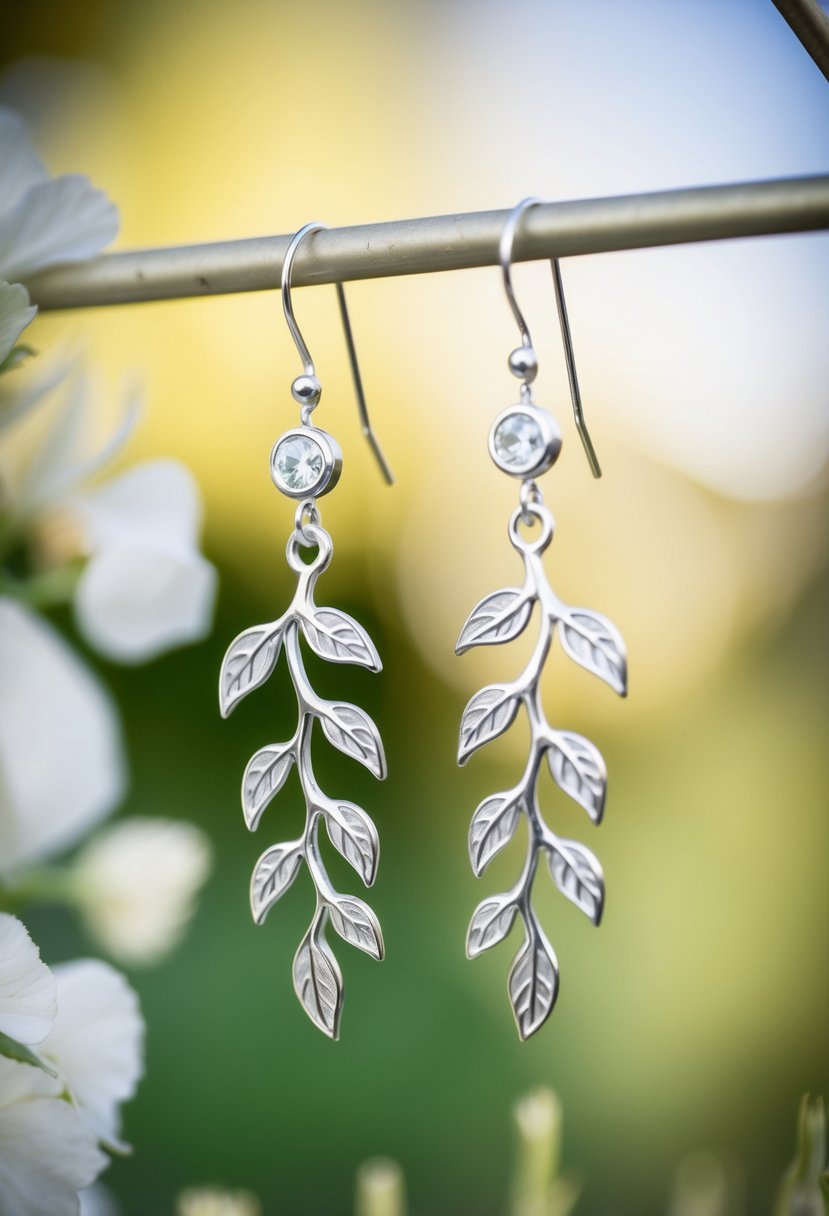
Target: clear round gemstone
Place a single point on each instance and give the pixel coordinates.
(518, 441)
(299, 462)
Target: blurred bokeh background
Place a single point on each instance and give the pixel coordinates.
(697, 1015)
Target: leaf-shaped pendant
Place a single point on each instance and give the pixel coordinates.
(250, 659)
(318, 982)
(264, 777)
(273, 873)
(336, 636)
(499, 617)
(533, 983)
(354, 733)
(493, 826)
(490, 712)
(575, 764)
(491, 922)
(592, 640)
(354, 835)
(578, 875)
(578, 769)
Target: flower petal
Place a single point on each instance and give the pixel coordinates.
(27, 986)
(61, 766)
(20, 396)
(64, 219)
(137, 884)
(97, 1041)
(47, 1151)
(157, 500)
(20, 166)
(62, 460)
(15, 314)
(136, 600)
(98, 1201)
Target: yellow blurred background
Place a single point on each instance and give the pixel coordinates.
(698, 1013)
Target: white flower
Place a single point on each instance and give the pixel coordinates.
(51, 1127)
(15, 314)
(136, 885)
(146, 587)
(45, 221)
(61, 765)
(98, 1201)
(27, 986)
(96, 1043)
(48, 1152)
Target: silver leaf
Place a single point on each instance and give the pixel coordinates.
(356, 923)
(273, 873)
(250, 659)
(499, 617)
(318, 983)
(533, 983)
(336, 636)
(264, 777)
(489, 713)
(493, 826)
(353, 732)
(578, 769)
(491, 922)
(354, 835)
(578, 875)
(595, 642)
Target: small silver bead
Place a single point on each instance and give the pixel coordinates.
(306, 390)
(523, 364)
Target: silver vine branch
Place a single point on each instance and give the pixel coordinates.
(574, 763)
(250, 660)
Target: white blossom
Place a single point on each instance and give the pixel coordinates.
(146, 587)
(48, 1151)
(136, 885)
(98, 1201)
(45, 221)
(61, 762)
(15, 314)
(28, 1003)
(45, 476)
(96, 1043)
(52, 1126)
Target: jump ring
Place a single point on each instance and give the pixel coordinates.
(307, 517)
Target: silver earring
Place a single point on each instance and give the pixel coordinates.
(305, 463)
(525, 442)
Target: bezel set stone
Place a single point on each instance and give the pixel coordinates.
(544, 455)
(331, 467)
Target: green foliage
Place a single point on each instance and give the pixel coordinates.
(805, 1187)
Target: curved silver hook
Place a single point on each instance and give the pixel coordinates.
(305, 354)
(505, 247)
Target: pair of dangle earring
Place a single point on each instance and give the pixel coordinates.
(525, 442)
(305, 464)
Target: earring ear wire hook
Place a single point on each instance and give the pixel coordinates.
(305, 354)
(505, 248)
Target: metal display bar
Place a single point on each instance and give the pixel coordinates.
(810, 25)
(438, 243)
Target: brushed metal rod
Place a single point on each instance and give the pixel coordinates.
(439, 243)
(810, 24)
